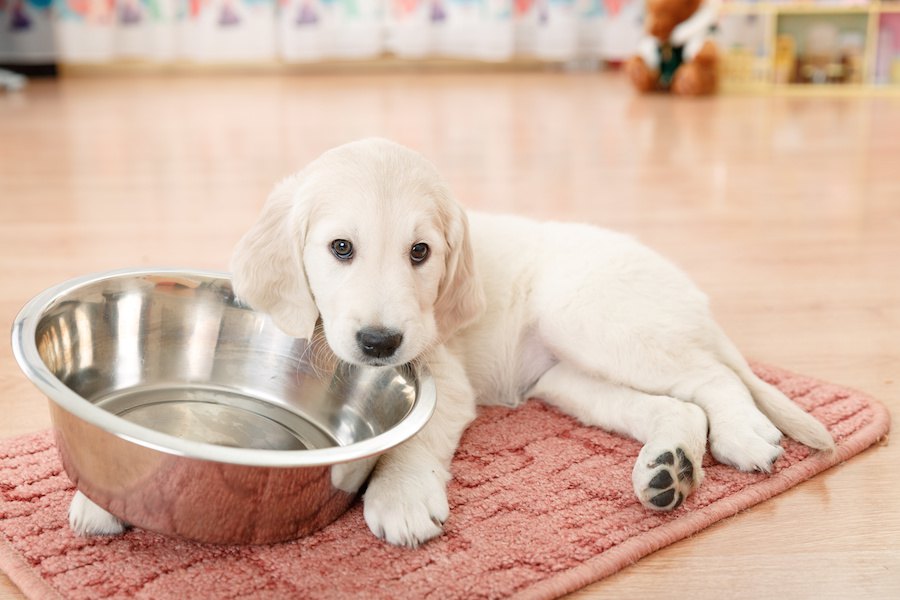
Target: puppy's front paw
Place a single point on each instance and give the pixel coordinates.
(406, 510)
(663, 478)
(86, 518)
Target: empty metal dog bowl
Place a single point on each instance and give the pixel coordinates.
(182, 411)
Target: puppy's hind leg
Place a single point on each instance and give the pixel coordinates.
(784, 413)
(739, 434)
(668, 348)
(668, 468)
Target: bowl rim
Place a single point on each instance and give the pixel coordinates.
(25, 351)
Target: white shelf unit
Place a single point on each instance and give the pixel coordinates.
(810, 46)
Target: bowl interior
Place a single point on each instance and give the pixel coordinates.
(178, 354)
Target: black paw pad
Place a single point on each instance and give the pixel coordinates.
(666, 458)
(674, 480)
(661, 480)
(685, 467)
(664, 499)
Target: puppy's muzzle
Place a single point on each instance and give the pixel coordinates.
(378, 342)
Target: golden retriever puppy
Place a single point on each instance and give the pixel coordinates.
(369, 241)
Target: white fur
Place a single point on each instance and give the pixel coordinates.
(503, 309)
(86, 518)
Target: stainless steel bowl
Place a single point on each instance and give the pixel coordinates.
(182, 411)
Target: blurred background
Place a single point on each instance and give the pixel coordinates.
(853, 42)
(293, 31)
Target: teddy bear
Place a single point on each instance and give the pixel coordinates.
(675, 54)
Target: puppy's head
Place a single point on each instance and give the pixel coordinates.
(368, 238)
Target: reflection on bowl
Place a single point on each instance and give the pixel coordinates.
(182, 411)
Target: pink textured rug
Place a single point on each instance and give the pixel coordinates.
(541, 506)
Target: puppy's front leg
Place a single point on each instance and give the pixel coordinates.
(406, 500)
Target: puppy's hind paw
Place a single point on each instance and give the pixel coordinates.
(748, 441)
(664, 480)
(745, 450)
(87, 519)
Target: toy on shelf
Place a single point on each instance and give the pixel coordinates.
(742, 41)
(827, 48)
(676, 55)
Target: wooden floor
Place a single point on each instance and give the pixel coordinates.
(785, 210)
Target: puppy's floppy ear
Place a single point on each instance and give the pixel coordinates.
(267, 264)
(460, 297)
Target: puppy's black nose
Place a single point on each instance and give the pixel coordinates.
(377, 342)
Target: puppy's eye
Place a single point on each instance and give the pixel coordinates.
(419, 252)
(342, 249)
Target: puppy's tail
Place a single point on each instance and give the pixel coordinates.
(784, 413)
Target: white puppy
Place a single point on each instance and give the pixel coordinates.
(368, 239)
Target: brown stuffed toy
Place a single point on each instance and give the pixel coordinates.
(675, 54)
